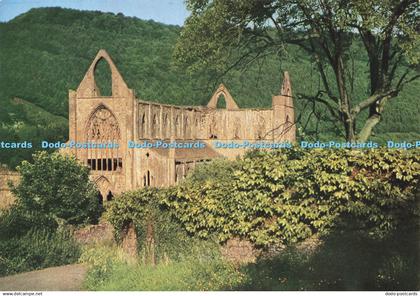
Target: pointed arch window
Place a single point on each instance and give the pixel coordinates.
(103, 133)
(165, 126)
(142, 126)
(187, 127)
(155, 126)
(103, 78)
(177, 127)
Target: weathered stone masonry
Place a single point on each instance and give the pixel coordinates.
(6, 196)
(122, 117)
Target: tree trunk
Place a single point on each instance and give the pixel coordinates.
(375, 117)
(370, 123)
(350, 131)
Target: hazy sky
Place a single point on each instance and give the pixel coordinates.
(164, 11)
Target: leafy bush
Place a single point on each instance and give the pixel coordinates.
(143, 208)
(290, 195)
(37, 249)
(56, 187)
(53, 191)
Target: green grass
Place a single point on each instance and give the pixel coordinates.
(344, 261)
(110, 270)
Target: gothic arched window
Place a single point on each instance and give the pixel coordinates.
(103, 131)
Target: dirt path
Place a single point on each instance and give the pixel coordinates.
(62, 278)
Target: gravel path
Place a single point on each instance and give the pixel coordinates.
(61, 278)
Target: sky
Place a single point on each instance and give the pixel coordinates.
(165, 11)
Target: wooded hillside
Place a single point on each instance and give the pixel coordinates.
(46, 51)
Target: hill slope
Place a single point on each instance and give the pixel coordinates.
(45, 52)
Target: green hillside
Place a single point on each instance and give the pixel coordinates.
(45, 52)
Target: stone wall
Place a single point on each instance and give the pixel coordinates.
(239, 251)
(100, 233)
(6, 196)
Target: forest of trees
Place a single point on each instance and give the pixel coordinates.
(46, 51)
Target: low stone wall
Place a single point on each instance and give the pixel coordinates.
(91, 234)
(6, 196)
(239, 251)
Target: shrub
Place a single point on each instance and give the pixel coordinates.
(289, 195)
(37, 249)
(144, 209)
(56, 187)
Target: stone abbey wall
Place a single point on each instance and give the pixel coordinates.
(6, 196)
(158, 121)
(123, 118)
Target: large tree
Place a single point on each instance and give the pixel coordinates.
(222, 34)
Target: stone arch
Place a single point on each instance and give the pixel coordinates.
(103, 79)
(102, 128)
(87, 87)
(187, 127)
(221, 102)
(165, 126)
(104, 187)
(147, 179)
(105, 123)
(155, 126)
(142, 126)
(177, 126)
(222, 90)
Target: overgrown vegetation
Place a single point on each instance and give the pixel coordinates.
(201, 269)
(40, 71)
(361, 203)
(54, 191)
(291, 195)
(346, 261)
(56, 188)
(36, 249)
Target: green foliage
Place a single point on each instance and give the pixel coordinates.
(55, 189)
(101, 260)
(290, 195)
(144, 208)
(344, 262)
(362, 203)
(201, 270)
(135, 206)
(223, 35)
(36, 249)
(41, 69)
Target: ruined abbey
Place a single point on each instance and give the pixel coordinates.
(122, 117)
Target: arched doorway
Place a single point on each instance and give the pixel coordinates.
(105, 190)
(109, 196)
